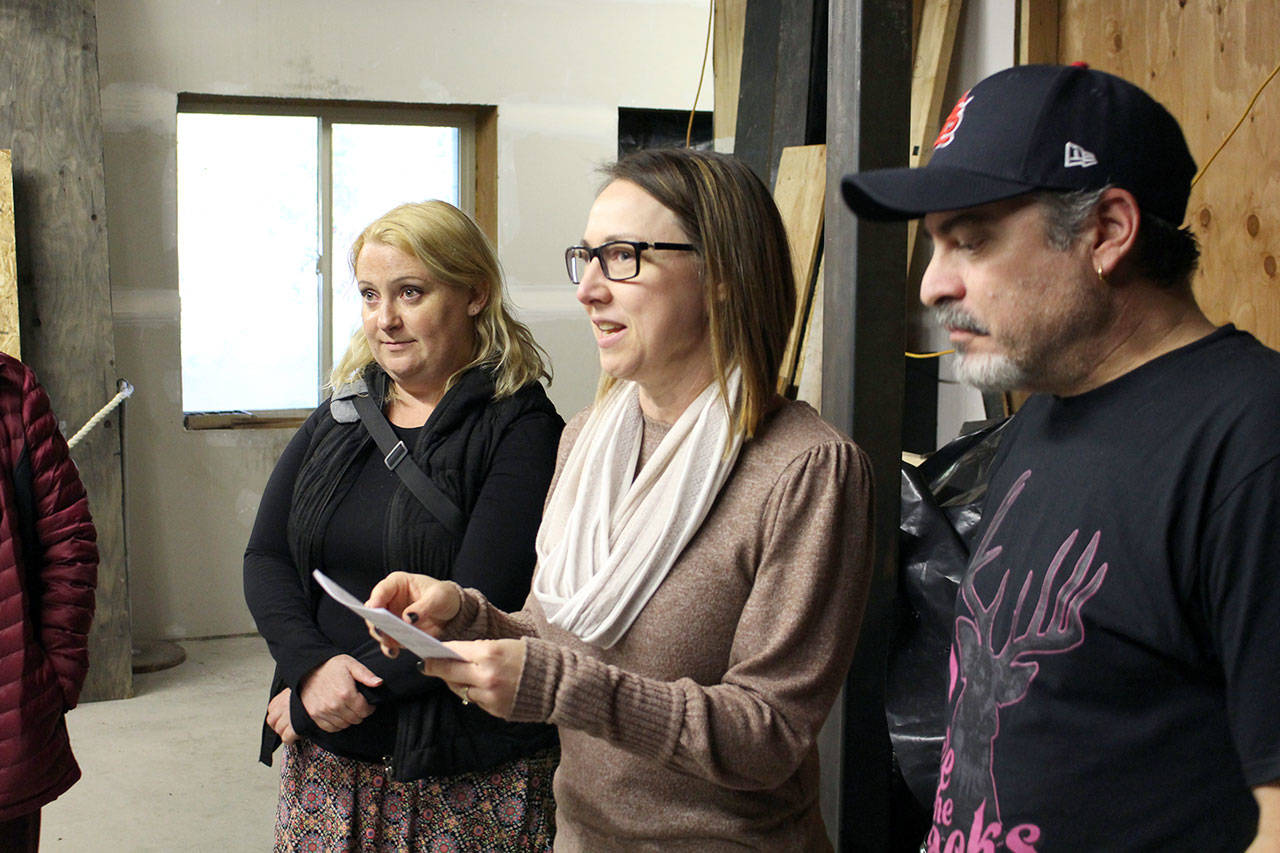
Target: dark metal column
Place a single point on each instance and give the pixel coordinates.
(868, 104)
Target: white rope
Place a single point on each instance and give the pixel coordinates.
(126, 390)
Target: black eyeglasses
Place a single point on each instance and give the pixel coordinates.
(619, 259)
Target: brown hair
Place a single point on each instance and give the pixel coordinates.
(728, 214)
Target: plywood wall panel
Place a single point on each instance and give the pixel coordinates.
(1204, 61)
(52, 121)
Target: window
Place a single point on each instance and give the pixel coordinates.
(271, 195)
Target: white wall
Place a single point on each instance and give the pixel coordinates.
(557, 71)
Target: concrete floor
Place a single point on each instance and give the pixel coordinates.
(174, 768)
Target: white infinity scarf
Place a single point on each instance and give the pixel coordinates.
(607, 540)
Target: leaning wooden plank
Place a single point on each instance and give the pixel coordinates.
(917, 13)
(726, 62)
(10, 342)
(800, 192)
(929, 74)
(1037, 32)
(809, 368)
(938, 22)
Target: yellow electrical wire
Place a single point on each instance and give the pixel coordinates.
(1233, 130)
(688, 133)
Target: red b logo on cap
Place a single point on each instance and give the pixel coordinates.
(952, 123)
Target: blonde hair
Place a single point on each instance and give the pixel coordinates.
(728, 214)
(456, 253)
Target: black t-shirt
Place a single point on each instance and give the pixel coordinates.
(1116, 665)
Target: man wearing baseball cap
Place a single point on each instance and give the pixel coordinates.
(1115, 667)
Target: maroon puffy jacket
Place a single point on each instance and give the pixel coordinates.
(46, 596)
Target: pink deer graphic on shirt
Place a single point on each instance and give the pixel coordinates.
(994, 672)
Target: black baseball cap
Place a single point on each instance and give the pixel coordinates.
(1039, 127)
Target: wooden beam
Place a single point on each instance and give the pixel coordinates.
(796, 87)
(1037, 36)
(809, 365)
(1037, 32)
(753, 135)
(939, 20)
(932, 64)
(778, 91)
(800, 194)
(917, 13)
(730, 18)
(487, 171)
(10, 340)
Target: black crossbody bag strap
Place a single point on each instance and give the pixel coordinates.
(396, 457)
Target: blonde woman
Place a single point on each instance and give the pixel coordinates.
(705, 552)
(376, 756)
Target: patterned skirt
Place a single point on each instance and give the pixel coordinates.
(329, 803)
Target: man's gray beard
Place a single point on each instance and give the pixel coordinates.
(989, 372)
(986, 373)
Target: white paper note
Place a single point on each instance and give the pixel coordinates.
(419, 642)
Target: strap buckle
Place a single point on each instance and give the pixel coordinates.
(398, 453)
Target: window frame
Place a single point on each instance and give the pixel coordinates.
(477, 191)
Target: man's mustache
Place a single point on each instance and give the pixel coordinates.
(952, 316)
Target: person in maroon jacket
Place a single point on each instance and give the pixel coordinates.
(48, 569)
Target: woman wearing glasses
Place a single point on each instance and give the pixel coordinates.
(704, 555)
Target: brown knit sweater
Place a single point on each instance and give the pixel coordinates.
(697, 729)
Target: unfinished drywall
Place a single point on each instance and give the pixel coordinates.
(557, 81)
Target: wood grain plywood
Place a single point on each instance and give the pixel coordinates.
(801, 196)
(1037, 32)
(9, 339)
(1204, 61)
(730, 21)
(936, 38)
(938, 25)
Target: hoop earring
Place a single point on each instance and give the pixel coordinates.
(1102, 278)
